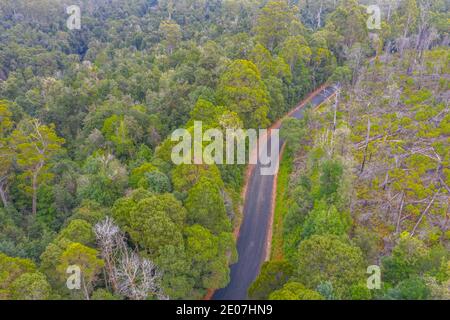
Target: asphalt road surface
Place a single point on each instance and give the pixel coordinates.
(252, 240)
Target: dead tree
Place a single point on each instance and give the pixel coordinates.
(336, 103)
(110, 241)
(366, 147)
(424, 213)
(129, 275)
(137, 277)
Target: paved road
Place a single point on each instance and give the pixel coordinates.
(252, 240)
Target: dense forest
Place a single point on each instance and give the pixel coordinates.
(365, 180)
(86, 177)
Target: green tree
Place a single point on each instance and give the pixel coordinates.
(405, 18)
(171, 32)
(90, 211)
(178, 280)
(293, 131)
(413, 288)
(103, 294)
(274, 23)
(137, 174)
(330, 180)
(277, 103)
(79, 231)
(314, 12)
(326, 220)
(328, 258)
(206, 206)
(104, 179)
(157, 182)
(408, 258)
(50, 259)
(295, 291)
(151, 229)
(342, 75)
(185, 176)
(323, 61)
(86, 259)
(326, 289)
(6, 154)
(295, 50)
(205, 111)
(267, 64)
(359, 291)
(242, 91)
(30, 286)
(210, 256)
(123, 132)
(35, 145)
(11, 269)
(349, 21)
(152, 221)
(273, 275)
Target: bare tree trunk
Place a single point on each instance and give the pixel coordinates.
(34, 201)
(399, 216)
(335, 107)
(3, 194)
(386, 180)
(424, 213)
(3, 197)
(444, 184)
(408, 21)
(86, 292)
(388, 18)
(366, 147)
(110, 270)
(35, 186)
(334, 120)
(319, 14)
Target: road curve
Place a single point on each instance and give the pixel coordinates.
(253, 234)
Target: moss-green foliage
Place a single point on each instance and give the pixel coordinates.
(339, 262)
(153, 221)
(242, 89)
(206, 207)
(326, 220)
(283, 204)
(103, 294)
(78, 231)
(295, 291)
(30, 286)
(11, 269)
(273, 275)
(320, 196)
(209, 255)
(86, 258)
(412, 258)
